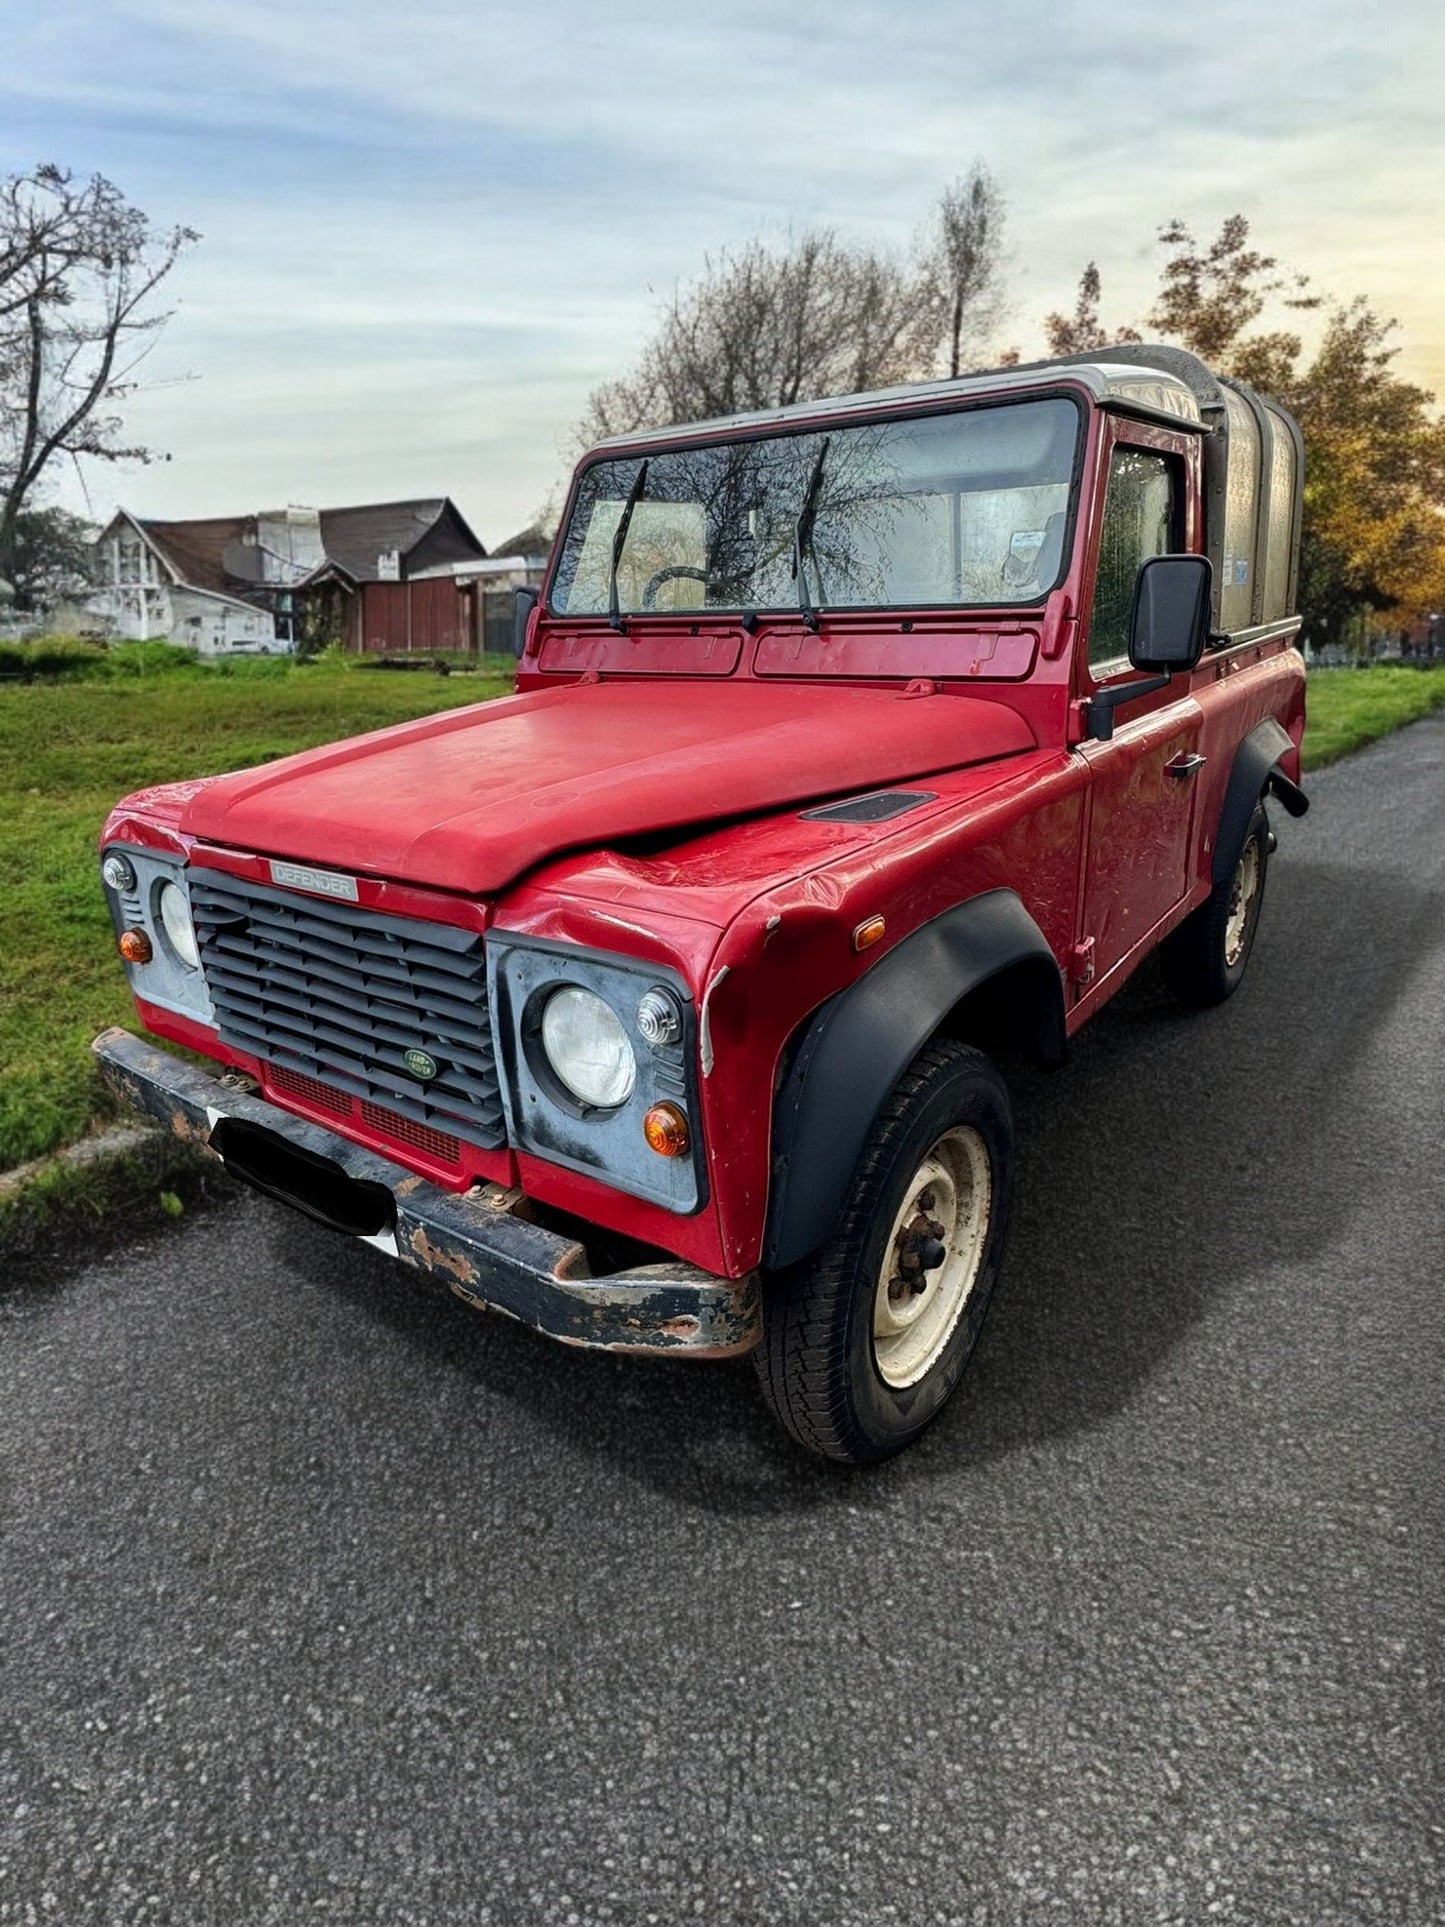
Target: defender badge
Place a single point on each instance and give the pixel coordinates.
(321, 883)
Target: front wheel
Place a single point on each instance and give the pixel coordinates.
(865, 1340)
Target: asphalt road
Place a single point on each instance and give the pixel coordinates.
(325, 1598)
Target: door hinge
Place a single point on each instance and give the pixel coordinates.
(1081, 962)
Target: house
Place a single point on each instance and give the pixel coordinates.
(519, 563)
(391, 581)
(169, 579)
(381, 577)
(522, 562)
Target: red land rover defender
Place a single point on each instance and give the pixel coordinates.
(655, 1004)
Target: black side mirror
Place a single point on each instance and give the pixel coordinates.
(1169, 624)
(524, 601)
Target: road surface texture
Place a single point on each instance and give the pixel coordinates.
(325, 1598)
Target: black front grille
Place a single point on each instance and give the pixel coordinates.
(341, 994)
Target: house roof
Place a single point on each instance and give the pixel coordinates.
(204, 553)
(353, 538)
(195, 549)
(530, 542)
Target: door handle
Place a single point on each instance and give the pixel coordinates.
(1185, 766)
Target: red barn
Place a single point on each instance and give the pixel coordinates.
(389, 584)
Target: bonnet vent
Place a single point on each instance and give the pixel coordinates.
(871, 809)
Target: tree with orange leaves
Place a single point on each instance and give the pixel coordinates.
(1374, 512)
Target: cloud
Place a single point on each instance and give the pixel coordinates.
(429, 233)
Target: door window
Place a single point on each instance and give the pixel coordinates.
(1141, 518)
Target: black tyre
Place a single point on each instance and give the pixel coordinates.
(865, 1340)
(1204, 960)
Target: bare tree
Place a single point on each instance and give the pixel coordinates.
(761, 328)
(78, 269)
(963, 266)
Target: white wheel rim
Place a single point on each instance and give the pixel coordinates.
(1241, 901)
(916, 1308)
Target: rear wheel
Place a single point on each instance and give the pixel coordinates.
(865, 1340)
(1204, 960)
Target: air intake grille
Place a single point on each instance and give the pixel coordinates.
(341, 994)
(310, 1090)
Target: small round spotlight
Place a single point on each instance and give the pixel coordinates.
(117, 872)
(659, 1020)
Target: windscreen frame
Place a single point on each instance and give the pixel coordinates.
(641, 448)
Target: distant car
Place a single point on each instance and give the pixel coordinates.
(658, 1005)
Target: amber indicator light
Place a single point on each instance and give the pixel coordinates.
(867, 934)
(665, 1128)
(135, 946)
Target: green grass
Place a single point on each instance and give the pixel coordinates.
(1348, 708)
(68, 751)
(137, 1180)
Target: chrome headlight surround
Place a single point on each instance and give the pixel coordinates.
(135, 881)
(546, 1116)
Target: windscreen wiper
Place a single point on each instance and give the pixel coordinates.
(803, 534)
(634, 496)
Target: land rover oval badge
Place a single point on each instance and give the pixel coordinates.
(420, 1064)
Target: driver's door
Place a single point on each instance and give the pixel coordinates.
(1145, 779)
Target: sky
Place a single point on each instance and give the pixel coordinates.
(429, 231)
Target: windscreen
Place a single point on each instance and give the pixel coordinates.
(959, 510)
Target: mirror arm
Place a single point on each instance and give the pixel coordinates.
(1099, 710)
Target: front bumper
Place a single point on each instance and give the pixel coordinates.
(476, 1243)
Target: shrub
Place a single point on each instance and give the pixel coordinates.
(54, 658)
(148, 658)
(250, 668)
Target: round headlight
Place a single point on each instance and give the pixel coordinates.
(588, 1048)
(176, 917)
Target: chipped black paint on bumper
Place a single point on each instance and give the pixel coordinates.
(475, 1243)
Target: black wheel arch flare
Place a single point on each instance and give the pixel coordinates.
(1254, 773)
(854, 1049)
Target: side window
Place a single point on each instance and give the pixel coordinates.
(1141, 518)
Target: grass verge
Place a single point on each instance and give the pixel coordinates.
(1348, 708)
(124, 1179)
(68, 751)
